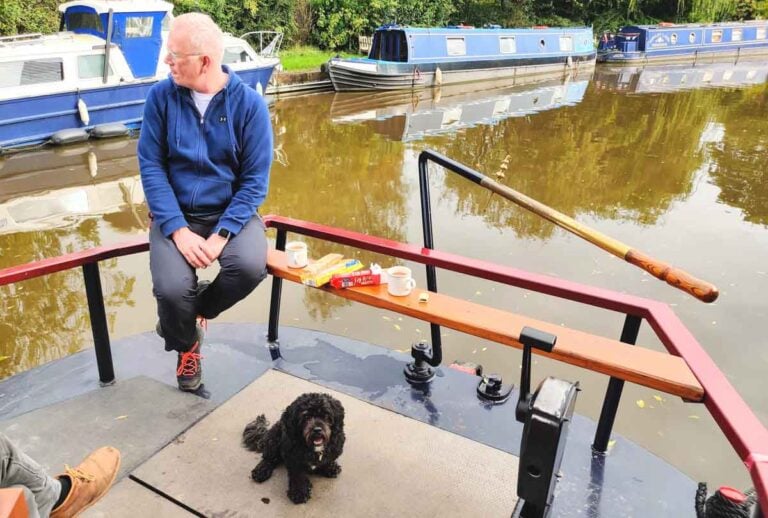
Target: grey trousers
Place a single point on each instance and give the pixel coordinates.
(243, 265)
(18, 470)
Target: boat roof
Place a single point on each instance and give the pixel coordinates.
(666, 26)
(121, 6)
(472, 30)
(50, 45)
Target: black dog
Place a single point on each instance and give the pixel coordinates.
(308, 439)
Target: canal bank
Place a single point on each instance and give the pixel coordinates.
(299, 82)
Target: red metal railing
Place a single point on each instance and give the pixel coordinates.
(738, 423)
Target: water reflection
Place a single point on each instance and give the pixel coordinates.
(667, 78)
(410, 116)
(59, 187)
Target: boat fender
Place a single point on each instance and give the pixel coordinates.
(69, 136)
(438, 76)
(109, 130)
(82, 109)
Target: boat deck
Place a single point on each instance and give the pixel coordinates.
(436, 451)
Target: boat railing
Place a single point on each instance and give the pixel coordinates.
(265, 43)
(7, 41)
(747, 435)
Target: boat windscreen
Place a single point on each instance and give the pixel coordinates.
(389, 46)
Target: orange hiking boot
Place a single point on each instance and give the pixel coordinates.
(90, 481)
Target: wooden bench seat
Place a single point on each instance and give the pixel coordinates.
(653, 369)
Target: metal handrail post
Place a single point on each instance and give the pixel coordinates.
(426, 225)
(274, 303)
(613, 393)
(98, 317)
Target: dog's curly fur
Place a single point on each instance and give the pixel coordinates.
(308, 439)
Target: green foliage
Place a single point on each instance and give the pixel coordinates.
(306, 58)
(335, 24)
(23, 16)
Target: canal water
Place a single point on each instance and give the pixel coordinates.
(670, 161)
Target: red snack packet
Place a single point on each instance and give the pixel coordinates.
(361, 278)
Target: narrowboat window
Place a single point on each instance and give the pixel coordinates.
(761, 33)
(456, 46)
(80, 21)
(92, 66)
(736, 35)
(717, 36)
(692, 37)
(566, 43)
(673, 38)
(507, 45)
(542, 43)
(235, 55)
(165, 26)
(138, 26)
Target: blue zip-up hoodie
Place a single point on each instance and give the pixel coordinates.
(201, 166)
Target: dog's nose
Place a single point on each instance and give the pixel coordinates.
(317, 430)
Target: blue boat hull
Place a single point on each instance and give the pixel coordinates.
(34, 120)
(682, 55)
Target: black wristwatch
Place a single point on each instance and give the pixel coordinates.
(223, 232)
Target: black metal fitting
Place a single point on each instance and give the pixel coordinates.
(492, 389)
(420, 372)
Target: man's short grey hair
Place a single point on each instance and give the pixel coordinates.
(204, 35)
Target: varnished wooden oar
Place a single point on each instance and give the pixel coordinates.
(676, 277)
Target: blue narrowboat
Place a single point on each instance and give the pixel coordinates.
(411, 57)
(92, 78)
(683, 43)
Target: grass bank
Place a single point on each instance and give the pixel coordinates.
(306, 58)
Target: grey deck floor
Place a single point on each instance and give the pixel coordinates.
(392, 466)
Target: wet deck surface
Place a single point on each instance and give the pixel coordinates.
(628, 482)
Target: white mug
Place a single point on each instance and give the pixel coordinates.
(400, 281)
(297, 254)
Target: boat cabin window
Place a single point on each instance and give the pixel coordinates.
(507, 45)
(390, 46)
(692, 37)
(165, 26)
(31, 72)
(673, 38)
(236, 55)
(761, 33)
(138, 26)
(736, 35)
(566, 43)
(717, 36)
(542, 44)
(456, 46)
(89, 67)
(81, 21)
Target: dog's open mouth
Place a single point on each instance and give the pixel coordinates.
(316, 434)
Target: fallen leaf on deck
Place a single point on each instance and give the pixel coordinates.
(693, 417)
(121, 417)
(658, 398)
(397, 327)
(640, 403)
(386, 318)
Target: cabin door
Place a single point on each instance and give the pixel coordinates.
(139, 37)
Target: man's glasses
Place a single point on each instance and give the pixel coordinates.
(175, 56)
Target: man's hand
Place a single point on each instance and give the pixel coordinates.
(193, 247)
(214, 245)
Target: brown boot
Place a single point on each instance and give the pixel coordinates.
(90, 481)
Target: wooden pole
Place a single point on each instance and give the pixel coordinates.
(676, 277)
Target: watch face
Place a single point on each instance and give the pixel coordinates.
(224, 233)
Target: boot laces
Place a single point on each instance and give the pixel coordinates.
(78, 473)
(189, 364)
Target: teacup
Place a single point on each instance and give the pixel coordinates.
(297, 254)
(400, 281)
